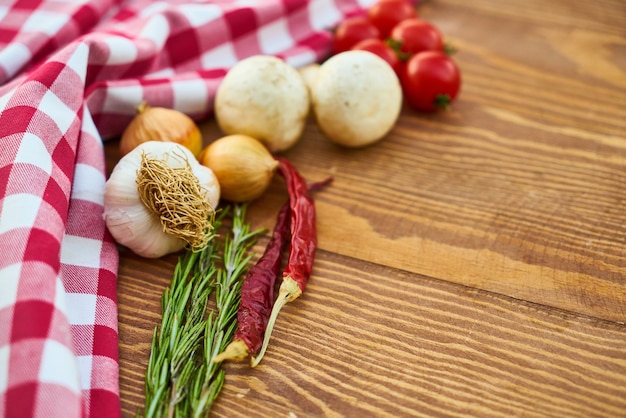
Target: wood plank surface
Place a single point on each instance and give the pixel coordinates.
(471, 264)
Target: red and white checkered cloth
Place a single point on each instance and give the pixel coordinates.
(71, 74)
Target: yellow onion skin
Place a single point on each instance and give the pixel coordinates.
(243, 166)
(161, 124)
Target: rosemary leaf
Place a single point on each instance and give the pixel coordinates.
(221, 324)
(181, 379)
(179, 336)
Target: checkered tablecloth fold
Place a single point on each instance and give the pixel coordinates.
(71, 75)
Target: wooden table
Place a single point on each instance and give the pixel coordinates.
(471, 264)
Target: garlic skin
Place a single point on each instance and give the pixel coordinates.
(161, 124)
(128, 220)
(242, 164)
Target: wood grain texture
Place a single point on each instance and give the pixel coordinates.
(371, 340)
(471, 264)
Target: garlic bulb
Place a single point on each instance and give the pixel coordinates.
(131, 222)
(161, 124)
(243, 166)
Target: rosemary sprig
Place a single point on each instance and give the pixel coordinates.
(222, 322)
(181, 380)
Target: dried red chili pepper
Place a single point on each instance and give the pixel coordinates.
(257, 294)
(257, 290)
(303, 246)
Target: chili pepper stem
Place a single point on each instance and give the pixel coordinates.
(288, 292)
(236, 350)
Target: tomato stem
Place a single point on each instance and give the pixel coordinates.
(442, 101)
(449, 49)
(396, 46)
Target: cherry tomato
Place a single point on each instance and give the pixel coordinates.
(380, 48)
(430, 81)
(385, 14)
(351, 31)
(415, 35)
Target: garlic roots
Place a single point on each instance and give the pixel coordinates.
(243, 166)
(161, 124)
(159, 199)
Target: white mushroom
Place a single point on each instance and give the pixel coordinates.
(356, 98)
(265, 98)
(309, 74)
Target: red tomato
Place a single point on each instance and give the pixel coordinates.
(380, 48)
(385, 14)
(430, 80)
(416, 35)
(351, 31)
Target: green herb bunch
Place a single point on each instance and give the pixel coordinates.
(181, 380)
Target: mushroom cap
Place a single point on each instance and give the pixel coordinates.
(356, 98)
(263, 97)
